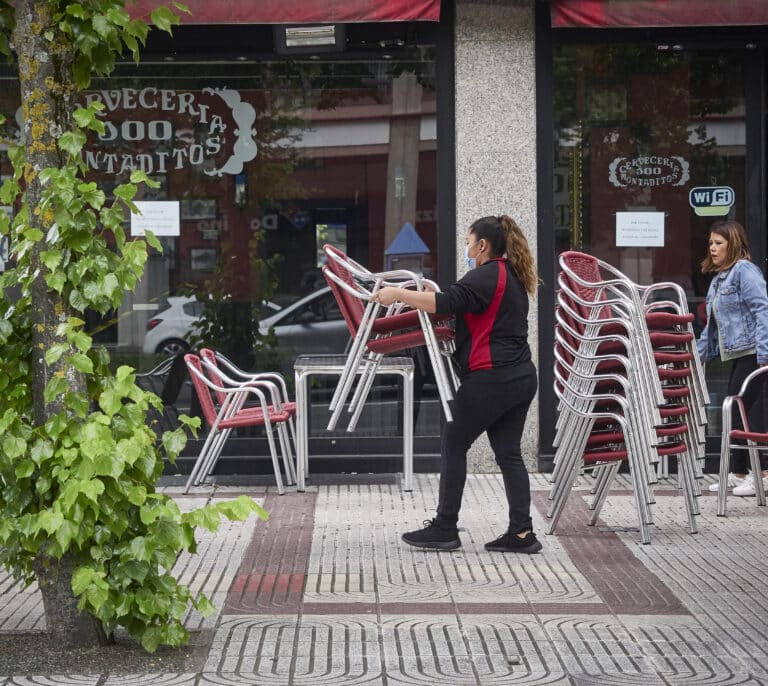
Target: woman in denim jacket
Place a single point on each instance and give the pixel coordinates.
(737, 331)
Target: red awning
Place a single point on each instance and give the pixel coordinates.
(629, 13)
(297, 11)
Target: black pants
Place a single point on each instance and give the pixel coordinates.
(498, 405)
(741, 368)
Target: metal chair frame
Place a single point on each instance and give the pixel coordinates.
(231, 413)
(369, 327)
(754, 443)
(280, 401)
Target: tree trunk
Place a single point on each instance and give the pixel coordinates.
(45, 57)
(68, 627)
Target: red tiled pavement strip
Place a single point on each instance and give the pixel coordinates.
(623, 583)
(273, 572)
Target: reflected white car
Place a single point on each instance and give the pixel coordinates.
(168, 330)
(311, 325)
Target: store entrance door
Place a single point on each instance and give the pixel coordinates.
(650, 136)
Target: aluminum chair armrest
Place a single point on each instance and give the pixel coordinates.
(274, 377)
(249, 383)
(158, 370)
(758, 372)
(236, 395)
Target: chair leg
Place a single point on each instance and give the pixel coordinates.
(643, 519)
(362, 391)
(757, 472)
(210, 443)
(273, 454)
(725, 457)
(214, 453)
(606, 479)
(354, 359)
(285, 448)
(559, 502)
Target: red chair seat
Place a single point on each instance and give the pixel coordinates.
(253, 416)
(410, 339)
(749, 436)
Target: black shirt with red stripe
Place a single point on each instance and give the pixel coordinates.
(491, 308)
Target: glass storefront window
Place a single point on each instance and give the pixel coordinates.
(637, 128)
(265, 161)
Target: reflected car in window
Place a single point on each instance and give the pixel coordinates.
(310, 325)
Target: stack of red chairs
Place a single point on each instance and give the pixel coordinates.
(378, 331)
(228, 403)
(630, 387)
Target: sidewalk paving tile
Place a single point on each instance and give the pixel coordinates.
(326, 593)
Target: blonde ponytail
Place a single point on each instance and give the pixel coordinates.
(519, 254)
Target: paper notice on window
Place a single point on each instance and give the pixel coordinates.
(640, 229)
(161, 217)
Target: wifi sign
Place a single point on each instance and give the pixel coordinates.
(711, 201)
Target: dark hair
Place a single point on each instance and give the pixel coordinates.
(738, 245)
(504, 236)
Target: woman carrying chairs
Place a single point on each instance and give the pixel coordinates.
(498, 379)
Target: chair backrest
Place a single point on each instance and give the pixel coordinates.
(352, 312)
(585, 268)
(351, 307)
(197, 375)
(212, 371)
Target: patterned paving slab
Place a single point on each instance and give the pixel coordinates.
(211, 571)
(325, 593)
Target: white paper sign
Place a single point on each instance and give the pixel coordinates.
(640, 229)
(161, 217)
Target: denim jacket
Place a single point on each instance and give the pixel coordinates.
(742, 313)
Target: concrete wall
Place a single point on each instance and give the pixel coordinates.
(496, 144)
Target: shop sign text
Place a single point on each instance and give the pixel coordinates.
(649, 171)
(166, 129)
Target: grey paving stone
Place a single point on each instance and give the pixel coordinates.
(53, 680)
(459, 671)
(151, 680)
(370, 610)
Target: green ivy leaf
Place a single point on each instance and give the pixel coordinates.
(82, 578)
(81, 362)
(150, 639)
(56, 281)
(23, 469)
(207, 517)
(174, 442)
(204, 606)
(241, 508)
(54, 353)
(72, 142)
(92, 489)
(51, 258)
(139, 549)
(50, 520)
(66, 533)
(82, 341)
(56, 386)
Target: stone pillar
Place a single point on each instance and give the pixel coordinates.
(496, 144)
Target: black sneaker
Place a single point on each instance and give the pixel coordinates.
(433, 536)
(512, 543)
